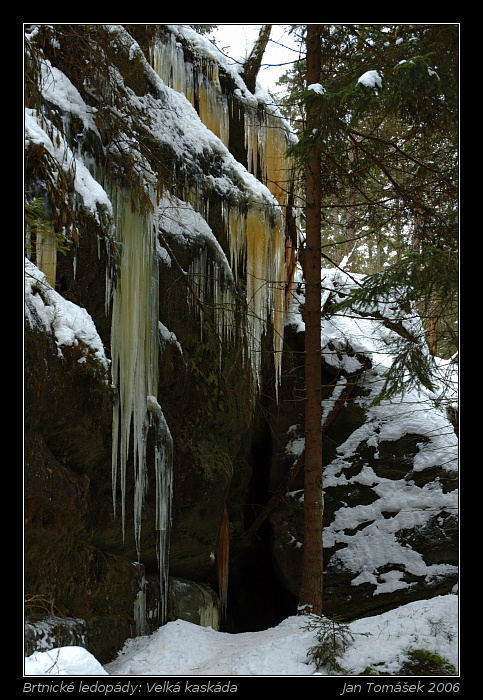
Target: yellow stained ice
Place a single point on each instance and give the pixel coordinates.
(46, 257)
(201, 86)
(256, 236)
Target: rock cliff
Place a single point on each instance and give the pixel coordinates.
(163, 337)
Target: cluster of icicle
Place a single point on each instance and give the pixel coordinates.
(134, 348)
(255, 233)
(256, 250)
(255, 236)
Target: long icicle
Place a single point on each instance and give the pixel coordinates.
(134, 344)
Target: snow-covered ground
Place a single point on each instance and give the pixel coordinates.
(181, 648)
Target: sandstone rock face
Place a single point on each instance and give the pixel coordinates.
(146, 338)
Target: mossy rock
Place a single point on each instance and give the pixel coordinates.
(194, 602)
(86, 583)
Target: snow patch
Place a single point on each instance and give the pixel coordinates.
(371, 78)
(181, 648)
(47, 309)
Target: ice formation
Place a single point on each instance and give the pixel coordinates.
(256, 230)
(187, 112)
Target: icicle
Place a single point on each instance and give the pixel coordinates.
(164, 491)
(209, 615)
(167, 58)
(256, 238)
(212, 103)
(140, 620)
(266, 141)
(134, 345)
(257, 247)
(134, 351)
(211, 284)
(46, 257)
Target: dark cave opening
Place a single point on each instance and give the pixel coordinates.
(257, 599)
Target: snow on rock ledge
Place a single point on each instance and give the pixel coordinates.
(390, 468)
(47, 310)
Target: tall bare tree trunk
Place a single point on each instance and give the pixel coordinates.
(254, 61)
(310, 599)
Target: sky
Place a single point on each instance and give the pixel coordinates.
(281, 50)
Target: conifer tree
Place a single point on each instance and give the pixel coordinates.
(378, 141)
(387, 130)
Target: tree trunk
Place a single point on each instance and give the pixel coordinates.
(310, 599)
(254, 61)
(289, 477)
